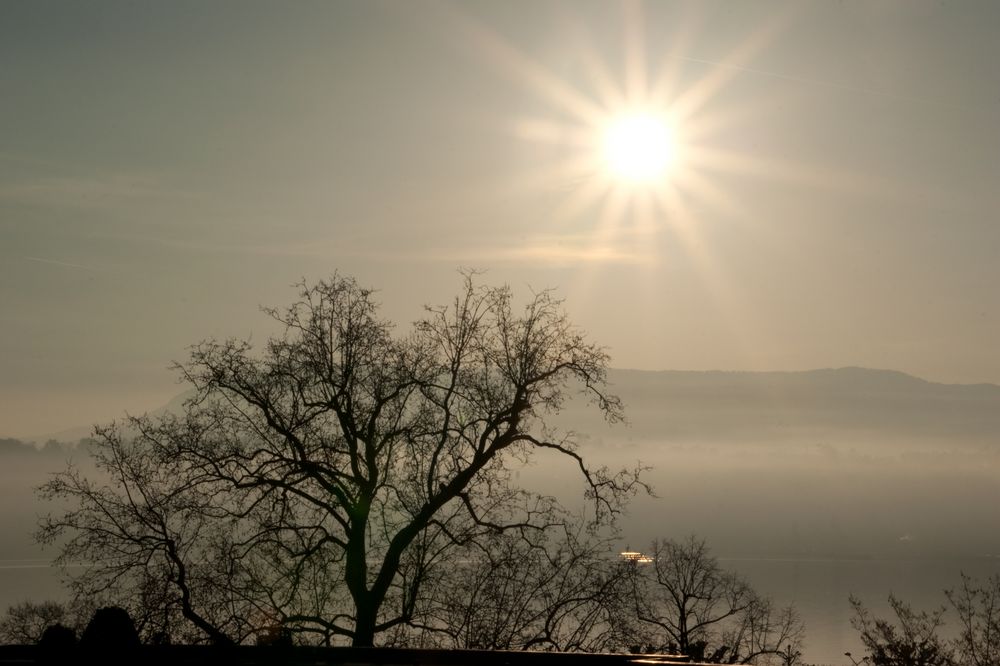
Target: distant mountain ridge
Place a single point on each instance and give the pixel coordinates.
(702, 405)
(720, 405)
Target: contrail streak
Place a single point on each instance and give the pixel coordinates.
(828, 84)
(60, 263)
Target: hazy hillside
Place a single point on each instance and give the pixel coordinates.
(773, 406)
(84, 431)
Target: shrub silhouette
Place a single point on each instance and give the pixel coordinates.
(57, 637)
(110, 629)
(56, 644)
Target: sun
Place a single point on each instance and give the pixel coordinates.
(621, 156)
(639, 148)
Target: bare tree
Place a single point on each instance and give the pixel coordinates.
(25, 622)
(551, 590)
(321, 482)
(911, 640)
(763, 633)
(978, 609)
(155, 536)
(684, 601)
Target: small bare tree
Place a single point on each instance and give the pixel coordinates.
(912, 640)
(152, 534)
(684, 601)
(764, 633)
(978, 608)
(555, 589)
(25, 622)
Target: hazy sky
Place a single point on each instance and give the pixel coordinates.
(167, 167)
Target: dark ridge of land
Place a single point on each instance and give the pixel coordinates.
(194, 655)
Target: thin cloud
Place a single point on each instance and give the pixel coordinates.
(560, 251)
(89, 192)
(564, 254)
(312, 248)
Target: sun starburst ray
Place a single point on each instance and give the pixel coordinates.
(518, 65)
(635, 52)
(694, 98)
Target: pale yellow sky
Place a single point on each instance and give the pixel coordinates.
(167, 168)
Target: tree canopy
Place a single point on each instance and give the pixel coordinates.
(319, 482)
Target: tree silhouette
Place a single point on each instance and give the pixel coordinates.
(24, 623)
(322, 482)
(912, 640)
(978, 608)
(554, 590)
(684, 601)
(157, 535)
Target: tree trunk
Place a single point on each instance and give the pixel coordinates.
(364, 624)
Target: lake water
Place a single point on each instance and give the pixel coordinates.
(818, 588)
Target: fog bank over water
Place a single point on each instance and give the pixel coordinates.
(847, 463)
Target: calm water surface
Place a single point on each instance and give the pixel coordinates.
(820, 589)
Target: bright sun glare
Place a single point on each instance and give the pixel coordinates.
(630, 153)
(639, 147)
